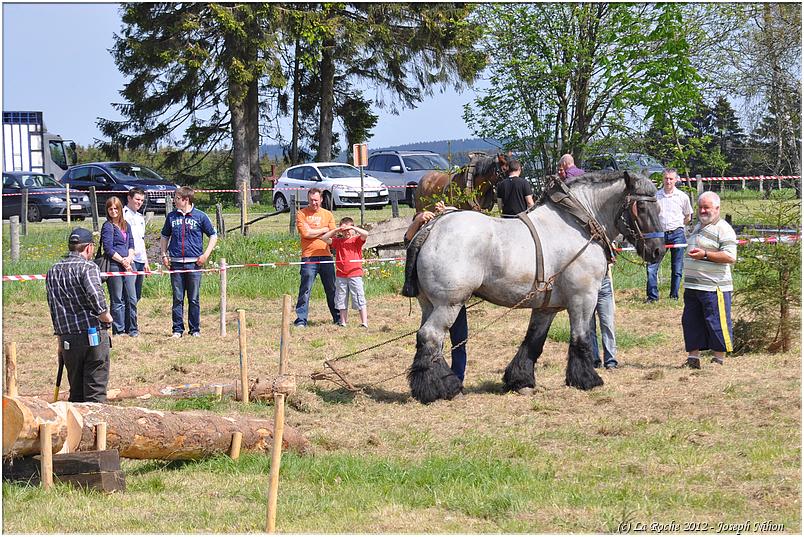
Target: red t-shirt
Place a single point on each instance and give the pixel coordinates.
(346, 250)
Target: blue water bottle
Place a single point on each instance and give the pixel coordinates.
(94, 337)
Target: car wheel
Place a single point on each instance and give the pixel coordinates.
(280, 203)
(410, 194)
(34, 213)
(328, 203)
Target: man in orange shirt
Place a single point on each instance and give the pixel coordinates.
(312, 222)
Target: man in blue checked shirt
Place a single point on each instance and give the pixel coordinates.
(77, 303)
(182, 246)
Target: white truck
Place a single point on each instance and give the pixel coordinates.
(27, 146)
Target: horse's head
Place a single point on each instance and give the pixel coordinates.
(638, 217)
(482, 175)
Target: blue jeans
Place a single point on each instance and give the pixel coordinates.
(122, 309)
(190, 283)
(459, 331)
(308, 273)
(605, 311)
(676, 236)
(131, 324)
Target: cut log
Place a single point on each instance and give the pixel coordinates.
(387, 232)
(258, 391)
(139, 433)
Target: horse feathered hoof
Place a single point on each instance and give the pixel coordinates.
(428, 384)
(580, 372)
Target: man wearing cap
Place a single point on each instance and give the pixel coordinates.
(78, 304)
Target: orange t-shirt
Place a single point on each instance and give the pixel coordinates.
(314, 219)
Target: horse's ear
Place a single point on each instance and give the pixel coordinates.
(630, 180)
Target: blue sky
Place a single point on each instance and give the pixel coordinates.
(56, 60)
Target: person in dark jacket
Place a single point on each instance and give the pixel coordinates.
(118, 246)
(182, 245)
(514, 193)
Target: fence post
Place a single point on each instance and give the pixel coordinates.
(168, 205)
(292, 210)
(223, 285)
(10, 384)
(699, 184)
(394, 207)
(244, 209)
(762, 183)
(93, 202)
(15, 237)
(24, 212)
(46, 452)
(743, 182)
(219, 219)
(69, 214)
(241, 329)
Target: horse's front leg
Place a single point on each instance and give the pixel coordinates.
(430, 377)
(580, 364)
(520, 372)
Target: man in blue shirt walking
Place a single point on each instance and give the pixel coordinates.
(182, 246)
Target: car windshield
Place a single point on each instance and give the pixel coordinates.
(425, 162)
(128, 171)
(36, 180)
(636, 160)
(339, 172)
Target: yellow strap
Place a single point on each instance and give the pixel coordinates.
(724, 325)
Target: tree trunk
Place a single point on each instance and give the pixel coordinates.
(237, 109)
(326, 112)
(137, 433)
(253, 138)
(294, 140)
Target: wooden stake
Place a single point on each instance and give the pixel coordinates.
(284, 342)
(93, 203)
(241, 329)
(276, 460)
(24, 212)
(100, 436)
(69, 213)
(46, 452)
(218, 392)
(10, 385)
(15, 237)
(237, 439)
(224, 279)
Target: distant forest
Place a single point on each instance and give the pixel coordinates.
(455, 151)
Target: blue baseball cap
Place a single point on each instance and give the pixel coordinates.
(80, 235)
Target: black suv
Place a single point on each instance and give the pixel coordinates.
(116, 179)
(46, 197)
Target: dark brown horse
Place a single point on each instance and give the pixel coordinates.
(471, 188)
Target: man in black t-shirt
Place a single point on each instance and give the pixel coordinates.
(515, 193)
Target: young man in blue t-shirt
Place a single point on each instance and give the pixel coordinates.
(182, 247)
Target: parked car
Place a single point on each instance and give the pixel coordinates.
(339, 182)
(46, 197)
(402, 169)
(116, 179)
(623, 161)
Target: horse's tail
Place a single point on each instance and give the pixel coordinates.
(411, 286)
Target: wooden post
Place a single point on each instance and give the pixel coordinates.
(394, 206)
(15, 238)
(279, 419)
(244, 209)
(241, 329)
(699, 184)
(219, 394)
(46, 452)
(168, 205)
(149, 215)
(100, 436)
(10, 384)
(292, 208)
(219, 219)
(224, 279)
(284, 342)
(237, 439)
(743, 182)
(24, 212)
(761, 185)
(69, 213)
(93, 202)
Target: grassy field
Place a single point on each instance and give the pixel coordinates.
(655, 445)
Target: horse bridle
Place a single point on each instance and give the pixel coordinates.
(470, 177)
(631, 223)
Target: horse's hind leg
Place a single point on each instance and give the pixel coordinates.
(430, 378)
(520, 372)
(580, 369)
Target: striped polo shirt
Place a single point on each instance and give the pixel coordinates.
(708, 275)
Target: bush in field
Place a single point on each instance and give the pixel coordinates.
(767, 303)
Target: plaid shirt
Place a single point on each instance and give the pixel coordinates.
(75, 295)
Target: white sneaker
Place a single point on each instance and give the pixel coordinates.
(176, 335)
(195, 334)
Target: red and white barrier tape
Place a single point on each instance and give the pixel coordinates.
(160, 272)
(785, 239)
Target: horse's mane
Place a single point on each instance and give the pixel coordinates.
(484, 165)
(644, 186)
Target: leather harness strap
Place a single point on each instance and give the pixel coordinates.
(539, 283)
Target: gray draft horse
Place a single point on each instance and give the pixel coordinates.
(469, 253)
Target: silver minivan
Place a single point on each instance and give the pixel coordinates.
(402, 170)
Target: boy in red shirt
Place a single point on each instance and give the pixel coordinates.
(347, 240)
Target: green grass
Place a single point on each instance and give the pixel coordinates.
(477, 483)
